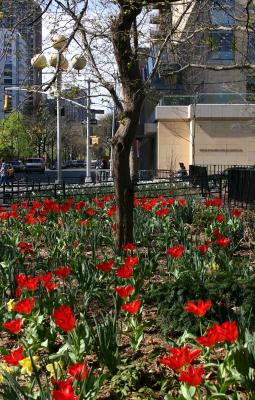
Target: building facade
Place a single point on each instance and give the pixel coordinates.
(13, 67)
(206, 114)
(23, 18)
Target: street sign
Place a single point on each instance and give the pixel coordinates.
(97, 111)
(93, 121)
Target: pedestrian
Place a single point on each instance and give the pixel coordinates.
(4, 177)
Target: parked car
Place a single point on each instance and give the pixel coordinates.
(35, 165)
(18, 165)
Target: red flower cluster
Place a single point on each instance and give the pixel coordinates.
(162, 212)
(64, 318)
(47, 282)
(175, 251)
(198, 309)
(213, 202)
(29, 283)
(219, 333)
(25, 248)
(180, 357)
(126, 271)
(223, 241)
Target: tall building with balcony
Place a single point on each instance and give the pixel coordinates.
(13, 67)
(24, 17)
(205, 114)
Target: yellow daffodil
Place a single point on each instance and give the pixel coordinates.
(10, 305)
(215, 266)
(4, 368)
(27, 366)
(55, 368)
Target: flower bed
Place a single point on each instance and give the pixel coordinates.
(172, 317)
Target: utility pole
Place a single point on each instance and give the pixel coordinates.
(88, 170)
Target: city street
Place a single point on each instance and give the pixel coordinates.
(74, 175)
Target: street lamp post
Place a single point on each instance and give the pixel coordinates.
(78, 62)
(88, 163)
(59, 141)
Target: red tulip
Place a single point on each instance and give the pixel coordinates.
(65, 390)
(176, 251)
(129, 246)
(105, 266)
(162, 212)
(62, 272)
(126, 271)
(203, 248)
(133, 307)
(180, 357)
(78, 371)
(236, 213)
(14, 326)
(198, 309)
(25, 306)
(64, 318)
(193, 376)
(14, 356)
(223, 242)
(124, 291)
(220, 218)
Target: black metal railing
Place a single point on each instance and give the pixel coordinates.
(197, 181)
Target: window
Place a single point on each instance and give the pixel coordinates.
(222, 12)
(221, 45)
(251, 47)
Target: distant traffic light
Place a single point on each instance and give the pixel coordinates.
(7, 103)
(94, 140)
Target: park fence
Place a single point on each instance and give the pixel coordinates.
(232, 184)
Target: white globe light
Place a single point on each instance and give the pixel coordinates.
(78, 62)
(53, 61)
(59, 41)
(39, 61)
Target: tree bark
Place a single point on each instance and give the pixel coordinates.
(133, 163)
(123, 184)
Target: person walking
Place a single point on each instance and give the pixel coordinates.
(4, 177)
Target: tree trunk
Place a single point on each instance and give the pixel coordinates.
(133, 163)
(123, 184)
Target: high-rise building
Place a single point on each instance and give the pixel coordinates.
(24, 18)
(13, 67)
(205, 115)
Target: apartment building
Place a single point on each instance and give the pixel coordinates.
(13, 67)
(206, 114)
(22, 18)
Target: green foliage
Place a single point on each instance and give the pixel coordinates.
(14, 138)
